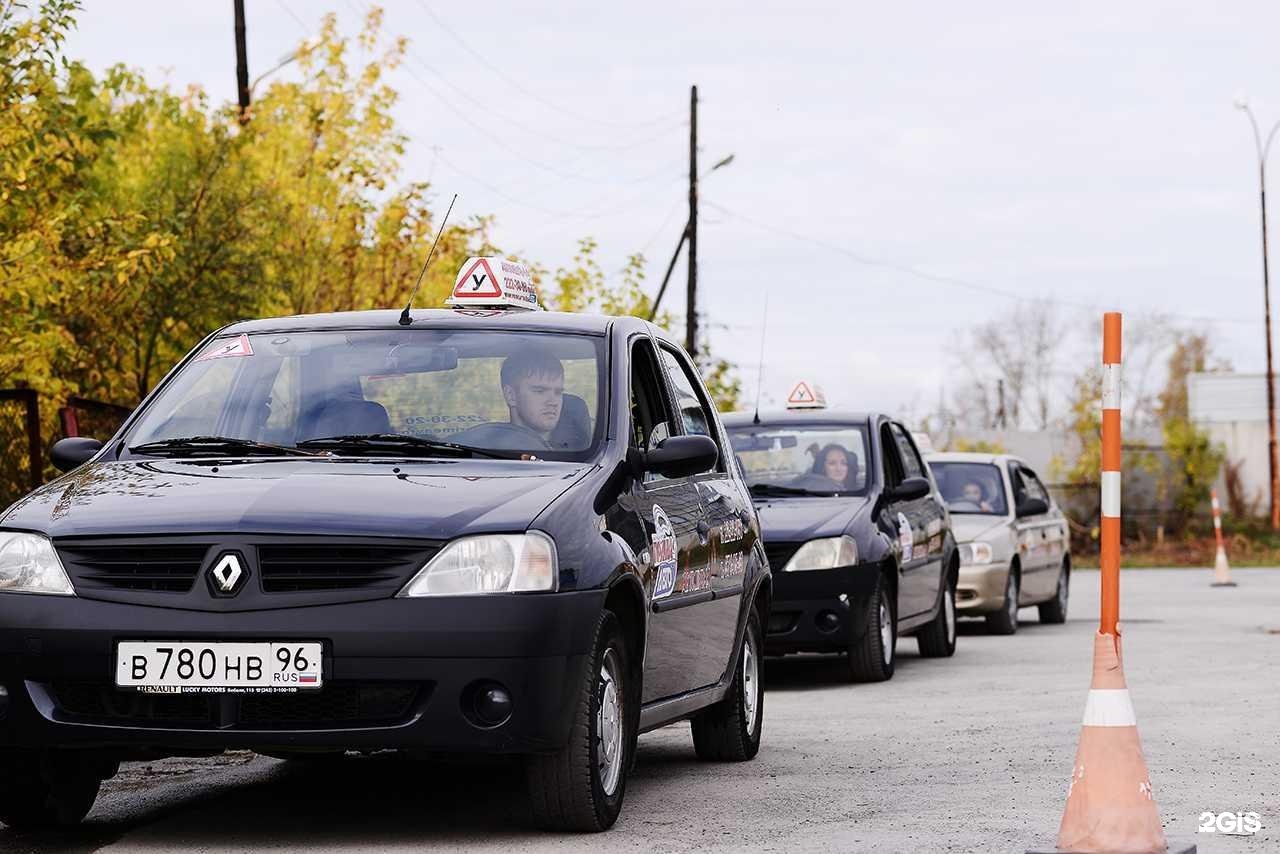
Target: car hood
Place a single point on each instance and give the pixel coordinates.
(968, 527)
(805, 518)
(434, 499)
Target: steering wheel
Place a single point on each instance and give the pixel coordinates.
(503, 436)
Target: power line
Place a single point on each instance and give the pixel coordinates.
(528, 92)
(952, 281)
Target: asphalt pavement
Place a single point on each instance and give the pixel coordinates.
(971, 753)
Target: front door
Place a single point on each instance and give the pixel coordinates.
(1040, 545)
(923, 518)
(675, 555)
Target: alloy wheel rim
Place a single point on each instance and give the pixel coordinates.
(1012, 604)
(609, 727)
(750, 683)
(886, 631)
(1062, 590)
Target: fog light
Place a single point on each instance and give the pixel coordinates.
(4, 702)
(827, 621)
(491, 704)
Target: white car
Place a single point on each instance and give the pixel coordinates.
(1014, 546)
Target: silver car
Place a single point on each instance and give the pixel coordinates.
(1014, 547)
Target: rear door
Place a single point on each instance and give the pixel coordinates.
(676, 529)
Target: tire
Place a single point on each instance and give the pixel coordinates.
(576, 788)
(1005, 621)
(871, 658)
(938, 638)
(36, 792)
(729, 731)
(1055, 610)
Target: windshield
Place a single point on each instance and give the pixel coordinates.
(536, 392)
(971, 487)
(816, 459)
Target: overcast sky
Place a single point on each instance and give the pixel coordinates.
(898, 167)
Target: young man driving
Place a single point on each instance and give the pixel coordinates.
(533, 386)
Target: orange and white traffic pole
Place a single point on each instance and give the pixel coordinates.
(1110, 806)
(1221, 569)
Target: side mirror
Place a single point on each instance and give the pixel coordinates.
(67, 454)
(911, 489)
(682, 456)
(1032, 507)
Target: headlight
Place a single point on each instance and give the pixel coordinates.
(28, 564)
(974, 553)
(491, 563)
(824, 554)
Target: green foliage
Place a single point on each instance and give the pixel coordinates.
(134, 220)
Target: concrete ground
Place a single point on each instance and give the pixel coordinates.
(971, 753)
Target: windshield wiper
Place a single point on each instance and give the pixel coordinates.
(217, 446)
(396, 442)
(778, 489)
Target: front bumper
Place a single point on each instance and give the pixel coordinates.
(980, 588)
(395, 671)
(820, 610)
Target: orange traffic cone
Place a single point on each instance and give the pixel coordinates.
(1110, 806)
(1221, 569)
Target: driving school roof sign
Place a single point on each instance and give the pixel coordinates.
(494, 282)
(806, 395)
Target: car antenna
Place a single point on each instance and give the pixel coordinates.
(405, 319)
(764, 327)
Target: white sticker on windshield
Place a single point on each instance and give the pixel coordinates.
(664, 554)
(905, 538)
(229, 349)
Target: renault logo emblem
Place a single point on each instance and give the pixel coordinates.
(226, 575)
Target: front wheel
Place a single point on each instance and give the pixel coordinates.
(938, 638)
(580, 787)
(1055, 610)
(38, 791)
(729, 731)
(871, 658)
(1005, 621)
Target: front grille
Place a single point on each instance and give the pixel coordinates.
(779, 554)
(289, 567)
(164, 567)
(334, 706)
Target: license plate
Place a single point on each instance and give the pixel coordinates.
(181, 667)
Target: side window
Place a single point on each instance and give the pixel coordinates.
(696, 414)
(1035, 489)
(889, 451)
(1018, 484)
(912, 466)
(651, 419)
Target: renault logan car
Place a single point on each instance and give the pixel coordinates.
(857, 536)
(1014, 547)
(506, 532)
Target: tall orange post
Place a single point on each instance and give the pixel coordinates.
(1110, 806)
(1221, 569)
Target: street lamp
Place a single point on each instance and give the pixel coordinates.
(1263, 149)
(684, 235)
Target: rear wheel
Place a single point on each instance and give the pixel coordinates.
(1055, 610)
(871, 658)
(729, 731)
(580, 787)
(48, 791)
(1005, 621)
(938, 638)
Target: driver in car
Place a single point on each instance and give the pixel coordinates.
(533, 387)
(973, 493)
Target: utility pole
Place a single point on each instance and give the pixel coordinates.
(1263, 150)
(691, 310)
(242, 63)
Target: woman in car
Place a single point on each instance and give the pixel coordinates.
(834, 469)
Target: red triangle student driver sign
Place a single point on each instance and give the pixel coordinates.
(806, 396)
(477, 281)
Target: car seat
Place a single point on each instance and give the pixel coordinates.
(573, 431)
(344, 417)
